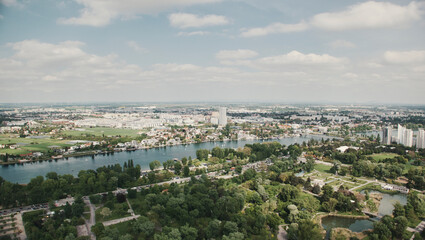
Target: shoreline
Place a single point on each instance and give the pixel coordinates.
(319, 217)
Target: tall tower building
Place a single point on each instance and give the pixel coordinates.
(400, 130)
(420, 139)
(408, 137)
(404, 136)
(386, 135)
(222, 119)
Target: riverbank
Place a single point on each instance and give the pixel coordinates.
(376, 187)
(23, 173)
(344, 233)
(52, 158)
(318, 218)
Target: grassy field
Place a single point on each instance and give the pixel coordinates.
(30, 144)
(119, 211)
(382, 156)
(123, 228)
(322, 168)
(99, 131)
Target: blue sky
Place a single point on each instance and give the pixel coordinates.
(212, 50)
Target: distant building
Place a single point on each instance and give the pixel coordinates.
(222, 120)
(408, 138)
(420, 139)
(386, 135)
(404, 136)
(342, 149)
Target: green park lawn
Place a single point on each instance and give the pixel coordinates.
(119, 211)
(123, 228)
(31, 144)
(100, 131)
(322, 168)
(382, 156)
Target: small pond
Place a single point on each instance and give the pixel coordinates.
(387, 203)
(355, 225)
(359, 225)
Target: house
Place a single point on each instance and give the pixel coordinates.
(342, 149)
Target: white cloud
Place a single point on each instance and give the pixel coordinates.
(100, 12)
(404, 57)
(275, 28)
(342, 44)
(350, 75)
(195, 33)
(135, 46)
(236, 54)
(298, 58)
(10, 2)
(36, 68)
(186, 20)
(37, 53)
(368, 15)
(1, 16)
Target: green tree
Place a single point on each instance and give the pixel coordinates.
(400, 225)
(186, 171)
(230, 227)
(234, 236)
(213, 229)
(98, 229)
(154, 165)
(398, 210)
(327, 192)
(288, 192)
(177, 168)
(188, 233)
(144, 225)
(217, 152)
(184, 161)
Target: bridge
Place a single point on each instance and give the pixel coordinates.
(370, 214)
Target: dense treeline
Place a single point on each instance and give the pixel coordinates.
(54, 186)
(39, 225)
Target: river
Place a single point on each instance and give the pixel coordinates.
(23, 173)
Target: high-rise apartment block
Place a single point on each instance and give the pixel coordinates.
(222, 119)
(386, 135)
(420, 139)
(404, 136)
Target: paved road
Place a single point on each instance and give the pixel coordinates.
(20, 225)
(92, 220)
(282, 234)
(417, 229)
(24, 209)
(364, 184)
(120, 220)
(130, 208)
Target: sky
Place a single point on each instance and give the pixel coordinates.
(212, 51)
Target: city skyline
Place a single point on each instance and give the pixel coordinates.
(359, 52)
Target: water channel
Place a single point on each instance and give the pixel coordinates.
(23, 173)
